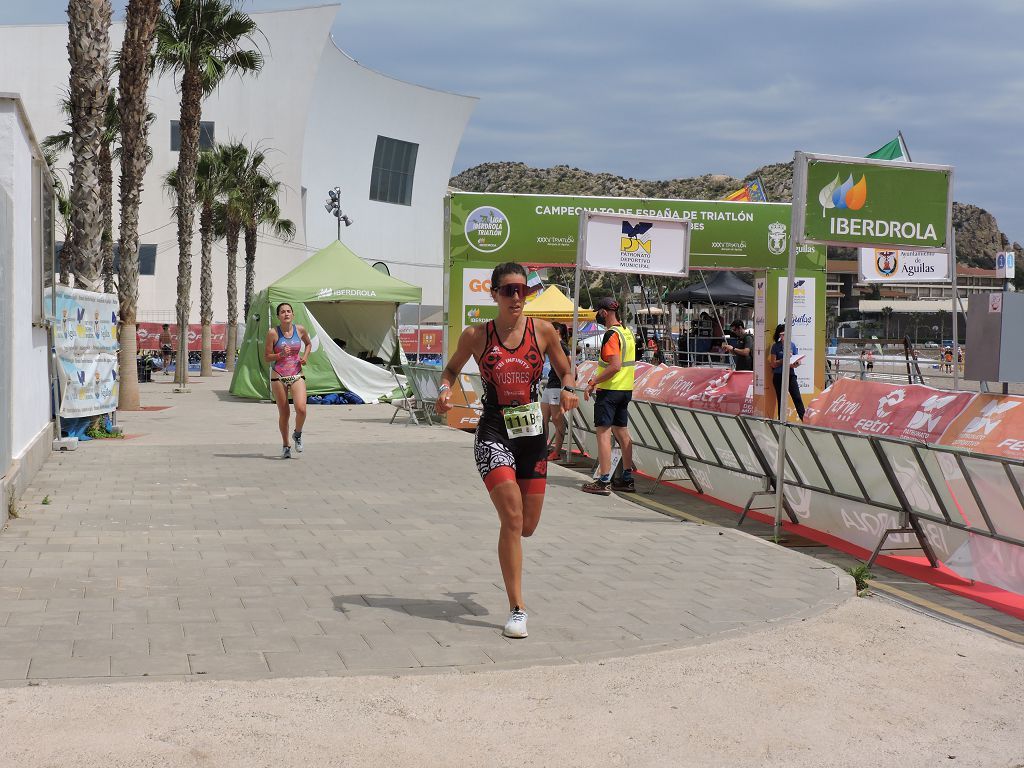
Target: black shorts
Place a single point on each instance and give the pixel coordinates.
(499, 458)
(610, 407)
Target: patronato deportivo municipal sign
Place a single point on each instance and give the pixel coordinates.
(856, 202)
(650, 245)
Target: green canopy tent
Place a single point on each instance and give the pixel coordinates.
(335, 295)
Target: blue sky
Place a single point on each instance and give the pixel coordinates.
(656, 89)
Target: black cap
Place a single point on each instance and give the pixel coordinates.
(607, 303)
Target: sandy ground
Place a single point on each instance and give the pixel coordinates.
(868, 684)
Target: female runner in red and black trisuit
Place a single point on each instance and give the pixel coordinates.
(510, 447)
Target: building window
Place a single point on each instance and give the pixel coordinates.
(206, 135)
(147, 258)
(394, 165)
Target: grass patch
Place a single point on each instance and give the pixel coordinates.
(46, 501)
(861, 576)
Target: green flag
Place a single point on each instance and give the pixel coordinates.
(894, 150)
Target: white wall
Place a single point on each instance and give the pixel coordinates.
(306, 93)
(30, 409)
(354, 105)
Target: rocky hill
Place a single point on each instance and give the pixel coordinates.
(978, 236)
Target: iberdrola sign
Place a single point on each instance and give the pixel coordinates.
(856, 202)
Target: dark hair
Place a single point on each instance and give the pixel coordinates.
(563, 331)
(283, 304)
(506, 268)
(778, 331)
(737, 323)
(166, 325)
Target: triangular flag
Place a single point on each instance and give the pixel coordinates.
(894, 150)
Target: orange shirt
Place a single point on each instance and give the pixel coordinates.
(612, 346)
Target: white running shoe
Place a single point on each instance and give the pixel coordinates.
(516, 624)
(297, 439)
(286, 452)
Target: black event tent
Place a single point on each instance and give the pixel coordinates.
(722, 288)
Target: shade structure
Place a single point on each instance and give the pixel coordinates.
(721, 288)
(554, 305)
(334, 295)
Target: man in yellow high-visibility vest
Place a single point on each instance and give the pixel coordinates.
(613, 385)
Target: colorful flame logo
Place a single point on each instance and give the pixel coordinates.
(845, 195)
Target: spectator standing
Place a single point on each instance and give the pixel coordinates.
(743, 350)
(613, 386)
(775, 359)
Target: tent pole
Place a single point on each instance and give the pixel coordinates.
(419, 325)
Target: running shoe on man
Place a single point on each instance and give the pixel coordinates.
(624, 484)
(286, 452)
(516, 624)
(597, 487)
(297, 439)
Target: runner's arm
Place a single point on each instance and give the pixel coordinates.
(268, 348)
(451, 371)
(553, 348)
(304, 335)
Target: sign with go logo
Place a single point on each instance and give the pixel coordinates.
(861, 202)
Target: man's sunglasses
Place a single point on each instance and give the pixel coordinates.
(522, 290)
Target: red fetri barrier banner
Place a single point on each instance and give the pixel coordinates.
(908, 411)
(430, 340)
(992, 424)
(147, 336)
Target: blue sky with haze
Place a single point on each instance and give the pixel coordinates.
(656, 89)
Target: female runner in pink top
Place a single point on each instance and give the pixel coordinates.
(284, 351)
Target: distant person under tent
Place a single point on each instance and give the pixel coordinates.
(166, 349)
(743, 348)
(775, 359)
(283, 349)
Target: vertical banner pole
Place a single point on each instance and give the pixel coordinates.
(580, 247)
(951, 240)
(795, 234)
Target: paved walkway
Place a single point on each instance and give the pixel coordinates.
(191, 549)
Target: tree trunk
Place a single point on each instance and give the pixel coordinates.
(232, 247)
(106, 172)
(206, 288)
(139, 33)
(250, 267)
(89, 57)
(188, 157)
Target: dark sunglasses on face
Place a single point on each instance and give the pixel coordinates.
(522, 290)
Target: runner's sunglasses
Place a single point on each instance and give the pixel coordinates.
(522, 290)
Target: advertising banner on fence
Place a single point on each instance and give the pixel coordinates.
(908, 412)
(649, 246)
(147, 336)
(85, 329)
(991, 424)
(802, 325)
(429, 343)
(854, 202)
(878, 265)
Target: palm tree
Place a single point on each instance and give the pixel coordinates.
(88, 55)
(200, 40)
(261, 211)
(237, 164)
(135, 66)
(209, 187)
(61, 141)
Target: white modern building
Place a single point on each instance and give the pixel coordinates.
(327, 122)
(25, 248)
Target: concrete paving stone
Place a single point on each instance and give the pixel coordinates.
(54, 667)
(283, 643)
(92, 631)
(331, 643)
(228, 665)
(379, 659)
(305, 663)
(64, 618)
(14, 669)
(148, 631)
(26, 648)
(217, 628)
(291, 628)
(246, 615)
(123, 616)
(22, 606)
(158, 665)
(19, 634)
(92, 604)
(91, 648)
(187, 645)
(191, 616)
(451, 656)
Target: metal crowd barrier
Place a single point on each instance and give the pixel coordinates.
(974, 493)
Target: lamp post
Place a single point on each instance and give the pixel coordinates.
(333, 207)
